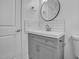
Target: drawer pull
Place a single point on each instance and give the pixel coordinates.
(61, 41)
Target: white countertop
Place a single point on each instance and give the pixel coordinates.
(45, 33)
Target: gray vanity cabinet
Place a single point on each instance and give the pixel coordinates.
(43, 48)
(46, 52)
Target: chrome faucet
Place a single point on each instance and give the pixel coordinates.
(48, 28)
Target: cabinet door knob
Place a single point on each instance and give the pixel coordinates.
(61, 41)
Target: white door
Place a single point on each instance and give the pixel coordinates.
(10, 29)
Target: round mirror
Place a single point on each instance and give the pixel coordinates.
(50, 9)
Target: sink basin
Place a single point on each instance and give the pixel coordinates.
(46, 33)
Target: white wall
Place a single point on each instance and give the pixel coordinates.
(71, 15)
(34, 20)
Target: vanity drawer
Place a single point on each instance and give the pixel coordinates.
(44, 39)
